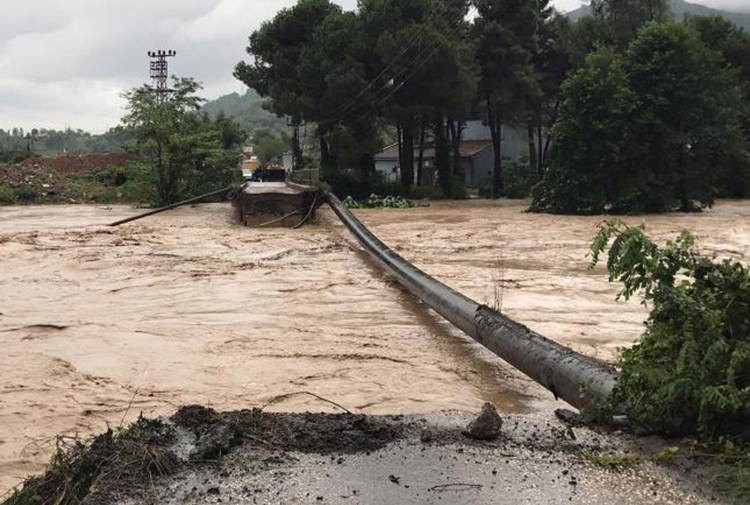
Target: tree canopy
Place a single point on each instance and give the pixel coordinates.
(187, 152)
(624, 110)
(654, 128)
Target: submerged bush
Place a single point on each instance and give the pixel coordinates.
(388, 202)
(690, 371)
(378, 202)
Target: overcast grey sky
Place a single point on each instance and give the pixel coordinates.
(66, 62)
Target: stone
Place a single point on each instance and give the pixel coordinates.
(487, 426)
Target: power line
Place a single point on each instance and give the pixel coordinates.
(395, 90)
(433, 51)
(351, 104)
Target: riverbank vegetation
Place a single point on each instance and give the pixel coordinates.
(669, 130)
(18, 144)
(116, 461)
(170, 150)
(187, 152)
(87, 178)
(689, 373)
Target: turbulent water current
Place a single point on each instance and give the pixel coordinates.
(99, 324)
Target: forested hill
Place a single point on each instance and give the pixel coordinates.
(680, 8)
(247, 110)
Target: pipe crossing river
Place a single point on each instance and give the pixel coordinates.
(570, 376)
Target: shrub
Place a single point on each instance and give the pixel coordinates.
(457, 189)
(519, 179)
(381, 185)
(26, 193)
(378, 202)
(133, 183)
(7, 195)
(689, 373)
(82, 469)
(346, 182)
(388, 202)
(351, 203)
(427, 193)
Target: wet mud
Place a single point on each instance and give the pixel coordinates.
(100, 324)
(346, 458)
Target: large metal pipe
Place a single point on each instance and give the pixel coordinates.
(570, 376)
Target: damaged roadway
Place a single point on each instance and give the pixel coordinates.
(267, 458)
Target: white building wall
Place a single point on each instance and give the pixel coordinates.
(476, 130)
(479, 172)
(389, 169)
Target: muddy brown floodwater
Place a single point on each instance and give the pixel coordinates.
(99, 324)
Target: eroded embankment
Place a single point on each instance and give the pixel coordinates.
(255, 457)
(188, 307)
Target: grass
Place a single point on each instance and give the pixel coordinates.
(124, 458)
(7, 195)
(127, 184)
(615, 461)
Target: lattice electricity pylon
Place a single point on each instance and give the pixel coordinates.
(160, 73)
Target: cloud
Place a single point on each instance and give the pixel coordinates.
(68, 61)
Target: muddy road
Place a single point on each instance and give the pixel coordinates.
(99, 324)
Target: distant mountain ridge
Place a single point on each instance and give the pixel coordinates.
(247, 110)
(680, 8)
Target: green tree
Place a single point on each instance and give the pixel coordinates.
(187, 152)
(688, 127)
(268, 147)
(733, 43)
(433, 82)
(625, 17)
(551, 57)
(279, 50)
(689, 373)
(590, 169)
(504, 32)
(652, 130)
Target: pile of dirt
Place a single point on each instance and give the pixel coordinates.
(45, 177)
(216, 433)
(77, 163)
(35, 181)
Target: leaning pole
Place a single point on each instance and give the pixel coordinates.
(570, 376)
(197, 199)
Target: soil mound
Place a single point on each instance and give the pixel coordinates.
(45, 176)
(307, 433)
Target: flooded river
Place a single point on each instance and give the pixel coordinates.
(99, 324)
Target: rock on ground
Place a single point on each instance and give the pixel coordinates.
(487, 426)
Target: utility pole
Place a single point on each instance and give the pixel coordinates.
(160, 73)
(295, 122)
